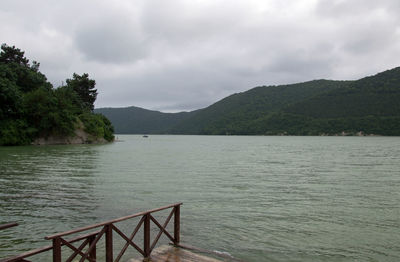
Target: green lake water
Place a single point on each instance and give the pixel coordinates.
(255, 198)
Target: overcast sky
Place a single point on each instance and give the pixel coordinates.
(174, 55)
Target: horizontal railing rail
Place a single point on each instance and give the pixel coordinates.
(107, 228)
(5, 226)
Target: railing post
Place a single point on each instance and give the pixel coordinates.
(177, 221)
(109, 243)
(92, 253)
(57, 249)
(146, 237)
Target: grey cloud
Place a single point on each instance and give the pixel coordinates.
(167, 90)
(365, 40)
(178, 54)
(188, 21)
(111, 40)
(353, 8)
(299, 66)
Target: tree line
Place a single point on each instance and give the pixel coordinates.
(30, 107)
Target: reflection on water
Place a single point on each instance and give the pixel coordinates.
(258, 198)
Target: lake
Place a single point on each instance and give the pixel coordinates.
(258, 198)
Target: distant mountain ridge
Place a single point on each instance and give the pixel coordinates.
(136, 120)
(370, 105)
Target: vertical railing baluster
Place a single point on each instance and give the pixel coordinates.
(57, 249)
(109, 243)
(92, 253)
(177, 221)
(146, 237)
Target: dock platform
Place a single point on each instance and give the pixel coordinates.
(169, 253)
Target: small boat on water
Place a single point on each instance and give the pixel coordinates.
(145, 136)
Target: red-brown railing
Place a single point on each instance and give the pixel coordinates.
(107, 228)
(5, 226)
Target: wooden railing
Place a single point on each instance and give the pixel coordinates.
(107, 228)
(5, 226)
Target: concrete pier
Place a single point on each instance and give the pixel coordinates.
(166, 253)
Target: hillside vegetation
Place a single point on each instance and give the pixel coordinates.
(238, 113)
(370, 105)
(30, 108)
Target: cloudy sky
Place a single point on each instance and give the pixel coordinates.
(174, 55)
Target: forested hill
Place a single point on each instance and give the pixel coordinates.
(370, 105)
(230, 111)
(236, 114)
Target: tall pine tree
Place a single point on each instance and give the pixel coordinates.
(84, 87)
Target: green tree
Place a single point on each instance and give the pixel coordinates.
(16, 68)
(97, 125)
(9, 96)
(85, 88)
(10, 54)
